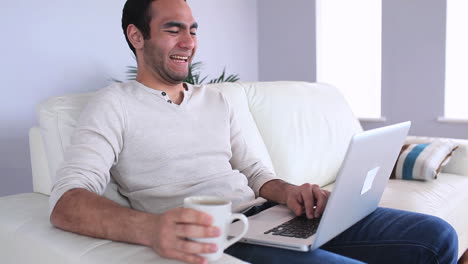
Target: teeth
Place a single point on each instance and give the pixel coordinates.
(179, 57)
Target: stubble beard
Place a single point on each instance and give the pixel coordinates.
(158, 65)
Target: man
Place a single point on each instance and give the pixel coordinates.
(163, 140)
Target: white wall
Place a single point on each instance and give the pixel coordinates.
(53, 48)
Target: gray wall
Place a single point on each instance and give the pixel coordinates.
(413, 58)
(51, 48)
(413, 66)
(286, 32)
(226, 38)
(59, 47)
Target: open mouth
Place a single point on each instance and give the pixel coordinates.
(179, 59)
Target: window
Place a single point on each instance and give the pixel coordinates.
(456, 60)
(349, 51)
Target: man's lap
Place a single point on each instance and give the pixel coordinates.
(385, 236)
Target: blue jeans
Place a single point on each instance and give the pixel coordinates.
(385, 236)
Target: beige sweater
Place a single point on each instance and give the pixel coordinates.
(159, 152)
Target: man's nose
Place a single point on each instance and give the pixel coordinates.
(187, 41)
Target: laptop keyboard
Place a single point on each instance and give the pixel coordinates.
(299, 227)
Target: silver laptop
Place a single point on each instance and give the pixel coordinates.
(359, 186)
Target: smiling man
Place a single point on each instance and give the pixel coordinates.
(164, 49)
(162, 140)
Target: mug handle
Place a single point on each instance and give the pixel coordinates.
(244, 220)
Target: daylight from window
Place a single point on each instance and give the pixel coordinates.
(349, 51)
(456, 66)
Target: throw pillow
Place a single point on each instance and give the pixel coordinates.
(423, 161)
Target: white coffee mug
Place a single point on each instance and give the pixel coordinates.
(220, 209)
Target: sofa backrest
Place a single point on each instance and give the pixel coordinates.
(300, 130)
(57, 119)
(306, 127)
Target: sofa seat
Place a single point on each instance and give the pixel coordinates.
(445, 197)
(25, 226)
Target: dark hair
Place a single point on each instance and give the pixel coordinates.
(138, 13)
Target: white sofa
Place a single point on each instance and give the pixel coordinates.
(301, 130)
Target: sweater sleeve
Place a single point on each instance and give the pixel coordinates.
(244, 160)
(94, 147)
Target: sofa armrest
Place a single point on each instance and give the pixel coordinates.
(26, 236)
(458, 163)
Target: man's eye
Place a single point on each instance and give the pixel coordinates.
(172, 31)
(193, 33)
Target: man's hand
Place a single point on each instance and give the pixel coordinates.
(307, 198)
(174, 227)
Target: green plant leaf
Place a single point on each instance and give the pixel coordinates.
(193, 77)
(223, 78)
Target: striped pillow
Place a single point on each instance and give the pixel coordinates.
(423, 161)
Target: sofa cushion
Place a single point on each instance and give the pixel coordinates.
(235, 95)
(459, 161)
(423, 161)
(306, 128)
(57, 119)
(445, 197)
(39, 163)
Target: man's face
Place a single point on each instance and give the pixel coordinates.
(173, 41)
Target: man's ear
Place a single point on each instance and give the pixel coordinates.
(135, 37)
